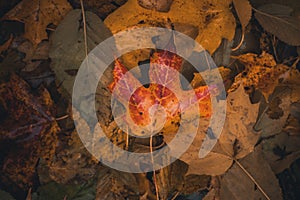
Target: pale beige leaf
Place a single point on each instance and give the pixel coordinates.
(236, 185)
(276, 113)
(238, 137)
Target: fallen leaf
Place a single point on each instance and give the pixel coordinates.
(274, 117)
(214, 21)
(238, 137)
(53, 191)
(214, 163)
(195, 183)
(198, 77)
(261, 73)
(244, 11)
(171, 179)
(277, 20)
(28, 130)
(163, 74)
(281, 150)
(114, 185)
(37, 15)
(235, 184)
(5, 46)
(67, 45)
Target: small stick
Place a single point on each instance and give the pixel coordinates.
(154, 173)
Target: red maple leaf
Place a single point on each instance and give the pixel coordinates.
(164, 90)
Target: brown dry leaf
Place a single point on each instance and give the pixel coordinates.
(171, 179)
(72, 162)
(212, 195)
(115, 185)
(283, 149)
(213, 19)
(37, 15)
(238, 137)
(261, 72)
(194, 183)
(237, 185)
(198, 77)
(274, 117)
(277, 20)
(215, 163)
(5, 46)
(244, 11)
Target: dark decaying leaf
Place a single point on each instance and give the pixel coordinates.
(277, 19)
(28, 132)
(55, 191)
(237, 185)
(115, 185)
(244, 11)
(171, 179)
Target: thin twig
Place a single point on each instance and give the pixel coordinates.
(241, 42)
(174, 197)
(61, 118)
(84, 28)
(127, 139)
(294, 65)
(154, 173)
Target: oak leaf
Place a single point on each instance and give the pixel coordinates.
(37, 15)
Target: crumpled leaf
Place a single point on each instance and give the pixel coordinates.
(261, 72)
(199, 81)
(37, 15)
(67, 45)
(277, 20)
(213, 19)
(238, 137)
(244, 11)
(72, 162)
(235, 184)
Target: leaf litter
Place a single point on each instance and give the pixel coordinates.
(258, 141)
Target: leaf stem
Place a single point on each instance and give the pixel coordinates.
(252, 179)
